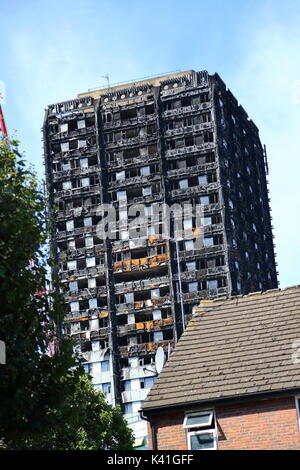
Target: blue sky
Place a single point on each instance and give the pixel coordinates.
(50, 51)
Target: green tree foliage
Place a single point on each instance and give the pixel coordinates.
(85, 422)
(44, 401)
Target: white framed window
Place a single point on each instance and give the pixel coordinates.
(193, 286)
(150, 230)
(73, 286)
(212, 284)
(202, 179)
(156, 314)
(81, 143)
(90, 262)
(183, 184)
(66, 166)
(148, 211)
(87, 221)
(201, 430)
(74, 306)
(190, 266)
(71, 265)
(145, 171)
(81, 124)
(64, 147)
(124, 235)
(130, 318)
(187, 224)
(67, 185)
(91, 282)
(207, 221)
(121, 195)
(204, 200)
(155, 294)
(85, 182)
(70, 225)
(147, 191)
(189, 245)
(71, 245)
(120, 175)
(93, 303)
(129, 297)
(89, 242)
(208, 241)
(63, 127)
(84, 162)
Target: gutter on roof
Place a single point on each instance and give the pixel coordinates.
(228, 400)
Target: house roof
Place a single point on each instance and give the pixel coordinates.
(234, 347)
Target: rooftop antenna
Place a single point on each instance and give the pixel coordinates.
(107, 78)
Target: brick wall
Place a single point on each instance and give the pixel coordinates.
(261, 424)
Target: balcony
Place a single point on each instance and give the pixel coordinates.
(86, 314)
(145, 327)
(189, 129)
(81, 252)
(148, 304)
(145, 349)
(61, 175)
(205, 147)
(155, 282)
(135, 121)
(135, 180)
(100, 333)
(186, 110)
(138, 140)
(73, 275)
(91, 230)
(81, 190)
(140, 263)
(134, 161)
(188, 171)
(85, 293)
(200, 274)
(195, 190)
(205, 251)
(196, 297)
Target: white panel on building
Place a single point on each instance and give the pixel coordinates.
(90, 262)
(156, 314)
(74, 306)
(91, 282)
(70, 225)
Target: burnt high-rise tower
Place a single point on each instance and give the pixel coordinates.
(176, 139)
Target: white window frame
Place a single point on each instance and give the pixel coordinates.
(208, 429)
(198, 413)
(204, 431)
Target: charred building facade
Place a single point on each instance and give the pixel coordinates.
(176, 139)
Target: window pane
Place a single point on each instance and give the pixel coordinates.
(84, 163)
(106, 388)
(203, 419)
(202, 441)
(189, 245)
(81, 124)
(105, 366)
(63, 127)
(145, 171)
(183, 184)
(202, 179)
